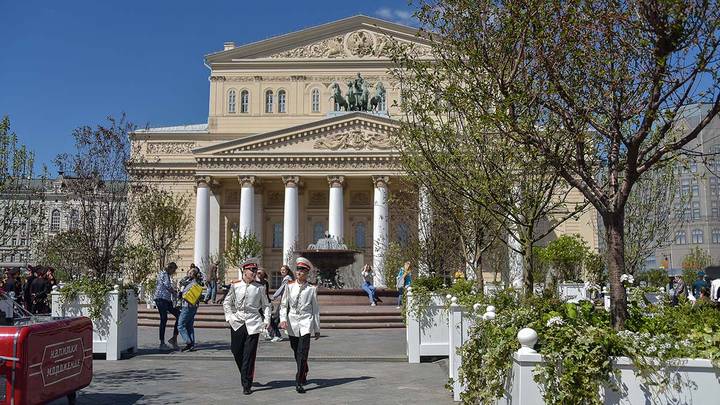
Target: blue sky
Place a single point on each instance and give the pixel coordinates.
(69, 63)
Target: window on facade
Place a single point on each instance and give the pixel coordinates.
(403, 234)
(55, 221)
(318, 231)
(23, 242)
(697, 236)
(282, 101)
(685, 186)
(693, 167)
(13, 241)
(12, 258)
(231, 101)
(315, 100)
(715, 209)
(680, 238)
(696, 210)
(244, 101)
(74, 219)
(22, 257)
(714, 186)
(277, 238)
(716, 236)
(269, 101)
(360, 234)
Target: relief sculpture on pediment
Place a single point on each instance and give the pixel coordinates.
(357, 139)
(359, 44)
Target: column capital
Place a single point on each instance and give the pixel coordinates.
(291, 181)
(336, 181)
(247, 180)
(203, 181)
(380, 181)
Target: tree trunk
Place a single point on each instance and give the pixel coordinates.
(528, 267)
(615, 240)
(479, 280)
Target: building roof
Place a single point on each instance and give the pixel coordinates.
(182, 129)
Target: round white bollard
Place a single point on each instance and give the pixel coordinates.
(527, 338)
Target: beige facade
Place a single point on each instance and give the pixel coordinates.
(273, 125)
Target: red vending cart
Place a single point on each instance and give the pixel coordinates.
(42, 358)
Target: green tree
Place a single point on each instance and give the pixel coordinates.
(565, 257)
(162, 221)
(600, 91)
(21, 206)
(694, 262)
(65, 252)
(241, 248)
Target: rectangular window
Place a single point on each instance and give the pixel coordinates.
(685, 186)
(277, 238)
(695, 210)
(697, 236)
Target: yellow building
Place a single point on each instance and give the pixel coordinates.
(280, 156)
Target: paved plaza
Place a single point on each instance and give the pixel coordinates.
(346, 367)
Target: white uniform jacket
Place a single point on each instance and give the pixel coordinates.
(299, 308)
(242, 305)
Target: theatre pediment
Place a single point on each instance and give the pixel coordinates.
(358, 37)
(345, 134)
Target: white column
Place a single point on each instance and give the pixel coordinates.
(335, 214)
(214, 229)
(258, 218)
(202, 221)
(247, 205)
(290, 217)
(380, 228)
(424, 225)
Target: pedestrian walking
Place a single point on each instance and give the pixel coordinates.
(242, 305)
(368, 277)
(300, 315)
(190, 294)
(165, 296)
(288, 276)
(39, 291)
(212, 282)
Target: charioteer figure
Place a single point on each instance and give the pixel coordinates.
(300, 315)
(243, 305)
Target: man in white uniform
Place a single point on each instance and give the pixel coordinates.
(300, 315)
(243, 305)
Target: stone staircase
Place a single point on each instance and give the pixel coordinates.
(339, 309)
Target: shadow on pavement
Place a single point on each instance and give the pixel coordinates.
(94, 399)
(120, 378)
(319, 383)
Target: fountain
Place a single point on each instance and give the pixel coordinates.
(328, 255)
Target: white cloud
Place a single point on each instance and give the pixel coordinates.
(399, 16)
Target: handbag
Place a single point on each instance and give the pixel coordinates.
(193, 294)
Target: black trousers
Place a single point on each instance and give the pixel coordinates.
(244, 349)
(301, 349)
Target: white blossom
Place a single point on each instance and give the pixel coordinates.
(555, 320)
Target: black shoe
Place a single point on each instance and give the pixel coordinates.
(187, 348)
(247, 391)
(378, 300)
(300, 389)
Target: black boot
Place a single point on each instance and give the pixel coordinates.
(247, 391)
(299, 388)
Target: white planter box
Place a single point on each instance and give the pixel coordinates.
(460, 322)
(427, 335)
(569, 291)
(115, 332)
(699, 384)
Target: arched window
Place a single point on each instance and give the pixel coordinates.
(269, 101)
(74, 219)
(244, 101)
(281, 101)
(231, 101)
(716, 236)
(680, 238)
(360, 235)
(315, 100)
(318, 231)
(55, 221)
(698, 236)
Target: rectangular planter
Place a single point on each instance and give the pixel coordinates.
(427, 335)
(460, 322)
(699, 384)
(115, 332)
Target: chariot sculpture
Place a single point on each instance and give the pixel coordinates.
(357, 97)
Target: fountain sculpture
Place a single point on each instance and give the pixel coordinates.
(328, 255)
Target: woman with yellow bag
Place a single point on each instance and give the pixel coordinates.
(191, 292)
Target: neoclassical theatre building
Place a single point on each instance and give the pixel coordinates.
(297, 143)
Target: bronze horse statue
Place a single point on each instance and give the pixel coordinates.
(377, 99)
(338, 98)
